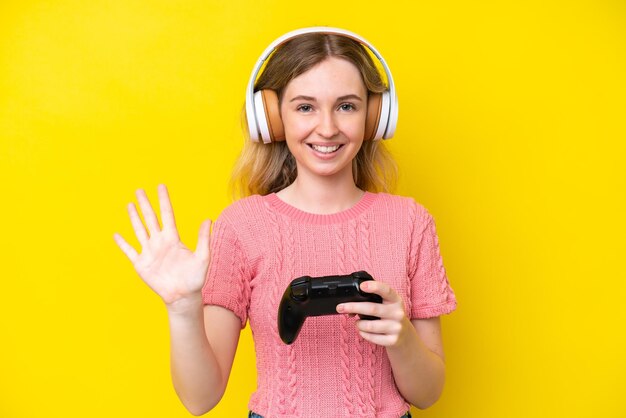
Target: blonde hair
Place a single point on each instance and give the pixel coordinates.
(268, 168)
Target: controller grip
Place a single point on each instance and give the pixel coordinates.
(290, 321)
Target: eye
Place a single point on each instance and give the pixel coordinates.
(305, 108)
(347, 107)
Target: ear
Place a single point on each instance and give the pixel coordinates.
(374, 105)
(272, 115)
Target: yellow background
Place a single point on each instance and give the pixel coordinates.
(511, 132)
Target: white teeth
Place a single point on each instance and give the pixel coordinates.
(325, 150)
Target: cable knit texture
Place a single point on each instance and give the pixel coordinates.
(260, 243)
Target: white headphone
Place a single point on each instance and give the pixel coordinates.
(262, 112)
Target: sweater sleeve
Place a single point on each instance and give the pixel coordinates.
(430, 290)
(228, 281)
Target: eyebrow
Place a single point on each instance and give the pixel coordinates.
(341, 98)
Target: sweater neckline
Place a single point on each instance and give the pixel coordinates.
(322, 219)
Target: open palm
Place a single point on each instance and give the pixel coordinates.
(167, 266)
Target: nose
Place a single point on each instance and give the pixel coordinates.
(327, 126)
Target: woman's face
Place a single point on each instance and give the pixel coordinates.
(323, 111)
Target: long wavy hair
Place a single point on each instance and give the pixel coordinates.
(268, 168)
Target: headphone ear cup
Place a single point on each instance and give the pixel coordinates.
(260, 119)
(272, 112)
(374, 102)
(384, 114)
(268, 116)
(378, 109)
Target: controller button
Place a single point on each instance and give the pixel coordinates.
(299, 291)
(363, 275)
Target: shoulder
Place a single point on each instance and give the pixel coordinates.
(241, 223)
(244, 209)
(399, 205)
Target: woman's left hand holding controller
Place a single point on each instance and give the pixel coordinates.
(414, 346)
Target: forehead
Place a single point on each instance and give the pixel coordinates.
(333, 76)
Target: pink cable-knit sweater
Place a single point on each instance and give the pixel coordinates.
(260, 243)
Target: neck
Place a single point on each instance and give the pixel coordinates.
(321, 195)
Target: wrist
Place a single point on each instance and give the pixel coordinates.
(185, 305)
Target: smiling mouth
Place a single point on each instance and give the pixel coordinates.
(325, 149)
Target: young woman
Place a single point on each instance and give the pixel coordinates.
(315, 204)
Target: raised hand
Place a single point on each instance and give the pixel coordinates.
(167, 266)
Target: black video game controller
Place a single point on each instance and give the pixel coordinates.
(316, 296)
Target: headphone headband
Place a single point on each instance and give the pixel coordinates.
(251, 111)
